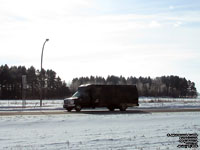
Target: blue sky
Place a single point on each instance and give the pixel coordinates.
(103, 37)
(147, 6)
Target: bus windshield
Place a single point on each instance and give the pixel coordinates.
(77, 94)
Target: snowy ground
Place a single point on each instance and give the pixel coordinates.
(88, 132)
(74, 131)
(169, 102)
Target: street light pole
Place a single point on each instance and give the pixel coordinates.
(41, 73)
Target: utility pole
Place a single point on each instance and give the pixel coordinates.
(41, 79)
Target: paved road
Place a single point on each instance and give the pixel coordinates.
(98, 112)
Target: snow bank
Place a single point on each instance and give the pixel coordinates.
(89, 132)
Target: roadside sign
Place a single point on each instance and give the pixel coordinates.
(24, 82)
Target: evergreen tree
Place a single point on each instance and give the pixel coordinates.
(11, 83)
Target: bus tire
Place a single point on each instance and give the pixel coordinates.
(123, 107)
(78, 108)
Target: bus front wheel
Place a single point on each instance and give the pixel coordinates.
(78, 108)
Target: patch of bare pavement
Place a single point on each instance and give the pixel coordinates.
(98, 112)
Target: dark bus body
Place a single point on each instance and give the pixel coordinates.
(110, 96)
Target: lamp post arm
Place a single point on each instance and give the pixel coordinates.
(42, 54)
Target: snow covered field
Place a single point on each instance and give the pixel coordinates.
(88, 131)
(169, 102)
(96, 131)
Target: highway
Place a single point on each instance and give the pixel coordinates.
(102, 111)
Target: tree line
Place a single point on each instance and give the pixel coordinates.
(11, 86)
(53, 87)
(164, 86)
